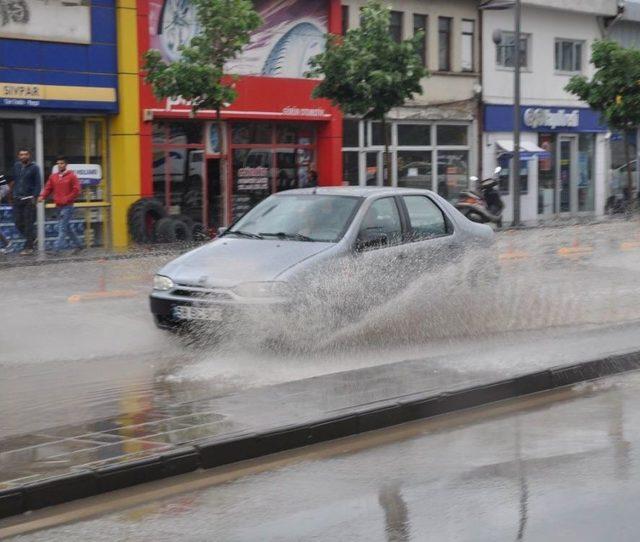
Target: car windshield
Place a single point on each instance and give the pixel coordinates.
(305, 217)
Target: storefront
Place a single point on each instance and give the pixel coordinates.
(563, 160)
(58, 89)
(273, 137)
(429, 155)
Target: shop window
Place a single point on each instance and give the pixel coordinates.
(185, 133)
(420, 25)
(506, 163)
(350, 133)
(414, 169)
(293, 133)
(414, 135)
(453, 173)
(452, 134)
(350, 168)
(244, 133)
(63, 136)
(377, 134)
(159, 133)
(251, 179)
(15, 134)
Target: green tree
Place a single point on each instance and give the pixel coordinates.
(614, 90)
(224, 28)
(366, 73)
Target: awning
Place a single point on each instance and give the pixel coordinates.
(528, 151)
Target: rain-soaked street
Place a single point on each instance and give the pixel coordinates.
(556, 466)
(88, 380)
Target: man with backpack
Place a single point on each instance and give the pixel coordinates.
(65, 187)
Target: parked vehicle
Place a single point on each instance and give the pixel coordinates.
(485, 206)
(383, 238)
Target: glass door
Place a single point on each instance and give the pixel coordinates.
(566, 187)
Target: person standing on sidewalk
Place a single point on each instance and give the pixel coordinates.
(26, 187)
(65, 187)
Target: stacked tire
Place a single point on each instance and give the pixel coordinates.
(142, 218)
(149, 223)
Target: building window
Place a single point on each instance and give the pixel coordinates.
(569, 56)
(444, 44)
(395, 25)
(420, 25)
(345, 19)
(468, 32)
(505, 51)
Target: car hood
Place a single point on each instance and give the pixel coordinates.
(229, 261)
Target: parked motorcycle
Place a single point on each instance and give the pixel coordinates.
(483, 207)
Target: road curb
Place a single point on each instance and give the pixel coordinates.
(212, 453)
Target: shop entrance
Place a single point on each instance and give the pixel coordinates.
(566, 176)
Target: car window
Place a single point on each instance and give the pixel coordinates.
(383, 217)
(425, 217)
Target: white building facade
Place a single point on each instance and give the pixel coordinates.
(563, 143)
(433, 137)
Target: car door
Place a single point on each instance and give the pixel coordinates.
(378, 270)
(431, 241)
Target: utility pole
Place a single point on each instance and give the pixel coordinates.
(516, 118)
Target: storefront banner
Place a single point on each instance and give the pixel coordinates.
(499, 118)
(292, 32)
(67, 21)
(88, 174)
(36, 96)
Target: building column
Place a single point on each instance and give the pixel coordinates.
(124, 136)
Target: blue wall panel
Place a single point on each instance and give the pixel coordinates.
(48, 63)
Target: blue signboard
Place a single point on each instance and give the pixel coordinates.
(533, 118)
(63, 56)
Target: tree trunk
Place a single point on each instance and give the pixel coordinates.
(627, 158)
(386, 170)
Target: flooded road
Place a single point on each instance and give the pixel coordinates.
(78, 344)
(556, 466)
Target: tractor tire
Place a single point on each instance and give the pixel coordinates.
(142, 217)
(170, 230)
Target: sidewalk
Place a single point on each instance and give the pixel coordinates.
(94, 254)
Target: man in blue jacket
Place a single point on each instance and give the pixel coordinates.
(26, 188)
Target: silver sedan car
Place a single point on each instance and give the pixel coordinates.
(300, 241)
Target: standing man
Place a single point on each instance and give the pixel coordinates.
(65, 187)
(26, 187)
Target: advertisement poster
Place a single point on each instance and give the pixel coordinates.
(291, 33)
(67, 21)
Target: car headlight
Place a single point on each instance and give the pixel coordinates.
(162, 283)
(261, 289)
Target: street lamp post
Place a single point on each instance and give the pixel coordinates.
(516, 118)
(500, 5)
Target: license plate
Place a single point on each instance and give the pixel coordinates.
(197, 313)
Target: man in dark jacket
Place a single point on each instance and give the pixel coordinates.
(26, 188)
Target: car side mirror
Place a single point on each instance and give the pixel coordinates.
(222, 230)
(373, 238)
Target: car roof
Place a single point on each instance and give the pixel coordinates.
(358, 191)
